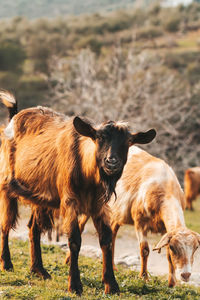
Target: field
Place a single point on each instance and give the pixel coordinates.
(21, 284)
(192, 218)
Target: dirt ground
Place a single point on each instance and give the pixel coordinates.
(127, 249)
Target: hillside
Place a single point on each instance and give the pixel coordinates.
(141, 66)
(53, 8)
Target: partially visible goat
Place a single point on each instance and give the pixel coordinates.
(150, 197)
(54, 162)
(191, 185)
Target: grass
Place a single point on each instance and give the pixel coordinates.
(187, 43)
(21, 284)
(192, 217)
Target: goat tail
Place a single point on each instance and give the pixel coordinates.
(9, 101)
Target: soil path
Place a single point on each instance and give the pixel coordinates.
(127, 249)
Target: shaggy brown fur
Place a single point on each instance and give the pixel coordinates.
(191, 185)
(54, 162)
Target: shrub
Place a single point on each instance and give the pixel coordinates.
(174, 61)
(91, 42)
(192, 72)
(31, 91)
(154, 9)
(181, 60)
(172, 24)
(120, 22)
(9, 81)
(12, 57)
(148, 33)
(139, 17)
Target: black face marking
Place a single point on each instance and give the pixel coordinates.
(112, 149)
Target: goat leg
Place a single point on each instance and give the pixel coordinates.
(105, 240)
(74, 281)
(81, 223)
(144, 253)
(70, 226)
(115, 228)
(189, 205)
(6, 263)
(9, 215)
(171, 277)
(35, 249)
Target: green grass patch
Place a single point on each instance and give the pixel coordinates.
(192, 217)
(187, 43)
(21, 284)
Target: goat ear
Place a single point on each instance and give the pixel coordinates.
(143, 137)
(84, 128)
(197, 236)
(163, 242)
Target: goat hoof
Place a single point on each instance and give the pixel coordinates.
(144, 276)
(46, 275)
(189, 208)
(112, 289)
(75, 287)
(7, 266)
(171, 284)
(41, 272)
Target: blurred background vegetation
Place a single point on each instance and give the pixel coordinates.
(140, 64)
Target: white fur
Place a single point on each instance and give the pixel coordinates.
(124, 199)
(173, 214)
(187, 268)
(7, 96)
(9, 130)
(141, 238)
(171, 171)
(158, 175)
(134, 150)
(179, 211)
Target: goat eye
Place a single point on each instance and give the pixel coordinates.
(101, 139)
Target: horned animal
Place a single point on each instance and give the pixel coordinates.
(52, 162)
(150, 197)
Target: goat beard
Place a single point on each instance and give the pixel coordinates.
(109, 184)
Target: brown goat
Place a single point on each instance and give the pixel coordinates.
(54, 162)
(150, 197)
(191, 185)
